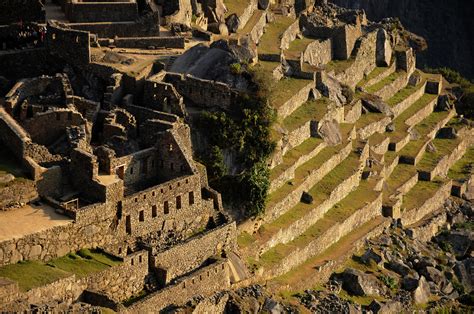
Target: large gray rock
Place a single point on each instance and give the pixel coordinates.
(330, 132)
(330, 88)
(414, 79)
(464, 271)
(358, 283)
(444, 103)
(385, 307)
(422, 293)
(447, 133)
(434, 275)
(376, 104)
(263, 4)
(232, 22)
(371, 256)
(307, 198)
(461, 242)
(398, 266)
(383, 49)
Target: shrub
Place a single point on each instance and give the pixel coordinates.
(389, 281)
(236, 68)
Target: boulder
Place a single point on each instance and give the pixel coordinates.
(461, 242)
(273, 307)
(444, 103)
(422, 293)
(434, 275)
(376, 104)
(232, 22)
(414, 79)
(383, 49)
(358, 283)
(431, 148)
(307, 198)
(409, 283)
(330, 88)
(385, 307)
(390, 128)
(263, 4)
(330, 132)
(369, 256)
(398, 266)
(447, 133)
(464, 271)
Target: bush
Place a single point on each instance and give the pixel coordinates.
(389, 281)
(236, 68)
(216, 168)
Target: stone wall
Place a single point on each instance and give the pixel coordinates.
(316, 213)
(318, 52)
(205, 281)
(410, 100)
(328, 238)
(295, 101)
(146, 42)
(78, 12)
(414, 215)
(258, 29)
(364, 62)
(382, 75)
(194, 252)
(289, 35)
(293, 198)
(389, 90)
(344, 39)
(17, 64)
(374, 127)
(182, 13)
(73, 46)
(202, 92)
(163, 97)
(353, 112)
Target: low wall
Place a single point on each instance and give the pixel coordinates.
(301, 225)
(318, 52)
(399, 108)
(412, 216)
(353, 112)
(391, 89)
(101, 11)
(312, 178)
(73, 46)
(295, 101)
(289, 35)
(195, 251)
(382, 75)
(205, 281)
(374, 127)
(145, 42)
(328, 238)
(258, 29)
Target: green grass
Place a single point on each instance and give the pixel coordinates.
(386, 81)
(339, 66)
(375, 72)
(356, 200)
(369, 118)
(294, 154)
(245, 239)
(296, 47)
(403, 94)
(421, 192)
(462, 169)
(444, 147)
(271, 40)
(320, 192)
(236, 6)
(284, 89)
(310, 110)
(400, 175)
(31, 274)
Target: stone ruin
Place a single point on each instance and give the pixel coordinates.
(96, 103)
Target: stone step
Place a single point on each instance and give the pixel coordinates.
(289, 94)
(426, 130)
(354, 210)
(424, 198)
(462, 172)
(406, 97)
(437, 163)
(319, 268)
(400, 182)
(377, 75)
(254, 27)
(371, 123)
(269, 45)
(379, 143)
(420, 110)
(390, 85)
(306, 176)
(335, 185)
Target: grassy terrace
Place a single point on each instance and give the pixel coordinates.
(421, 192)
(307, 274)
(377, 138)
(375, 72)
(302, 172)
(320, 192)
(462, 169)
(400, 175)
(403, 94)
(369, 118)
(291, 156)
(337, 214)
(431, 159)
(339, 66)
(31, 274)
(284, 89)
(386, 81)
(297, 46)
(236, 6)
(401, 128)
(310, 110)
(270, 41)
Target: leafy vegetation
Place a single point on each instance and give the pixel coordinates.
(245, 132)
